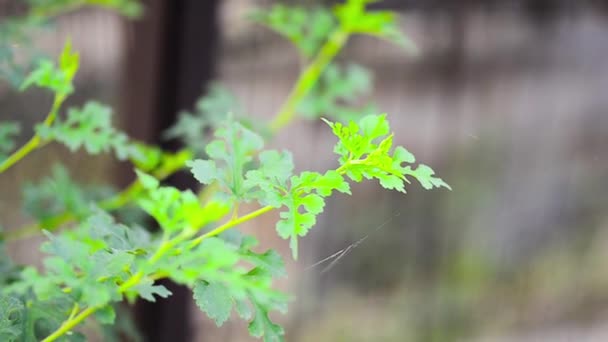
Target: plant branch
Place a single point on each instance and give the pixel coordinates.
(309, 78)
(165, 247)
(35, 142)
(305, 83)
(71, 323)
(230, 224)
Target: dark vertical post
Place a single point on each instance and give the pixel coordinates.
(170, 57)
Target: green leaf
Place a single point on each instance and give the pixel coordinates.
(269, 261)
(101, 232)
(268, 183)
(219, 284)
(305, 201)
(323, 184)
(262, 326)
(12, 317)
(176, 210)
(294, 223)
(425, 175)
(374, 126)
(44, 317)
(214, 299)
(243, 310)
(91, 128)
(57, 194)
(354, 18)
(230, 157)
(211, 111)
(59, 80)
(307, 29)
(205, 171)
(366, 151)
(86, 264)
(147, 290)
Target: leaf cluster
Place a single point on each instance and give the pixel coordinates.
(100, 262)
(210, 111)
(89, 128)
(307, 29)
(57, 78)
(210, 265)
(48, 199)
(366, 151)
(355, 18)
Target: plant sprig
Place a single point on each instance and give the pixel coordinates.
(100, 262)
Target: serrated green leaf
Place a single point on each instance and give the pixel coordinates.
(374, 126)
(12, 318)
(243, 310)
(323, 184)
(57, 194)
(401, 155)
(307, 29)
(304, 201)
(276, 166)
(111, 263)
(210, 112)
(270, 261)
(214, 299)
(262, 326)
(147, 290)
(355, 18)
(365, 152)
(59, 80)
(101, 231)
(89, 128)
(268, 183)
(426, 176)
(44, 317)
(205, 171)
(176, 210)
(231, 156)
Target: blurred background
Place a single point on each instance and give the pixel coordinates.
(507, 101)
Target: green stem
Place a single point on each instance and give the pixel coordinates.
(75, 309)
(309, 78)
(35, 141)
(230, 224)
(71, 323)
